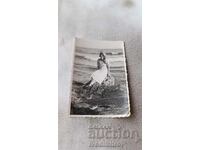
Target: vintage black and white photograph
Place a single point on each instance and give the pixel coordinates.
(99, 79)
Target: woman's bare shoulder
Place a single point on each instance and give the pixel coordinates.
(107, 61)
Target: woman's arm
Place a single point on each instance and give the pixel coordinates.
(108, 67)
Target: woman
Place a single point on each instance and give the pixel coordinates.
(103, 71)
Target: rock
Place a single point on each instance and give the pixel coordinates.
(98, 90)
(109, 81)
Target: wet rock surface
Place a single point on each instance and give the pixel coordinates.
(105, 98)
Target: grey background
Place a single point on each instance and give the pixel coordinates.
(101, 20)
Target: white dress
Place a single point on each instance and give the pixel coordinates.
(101, 73)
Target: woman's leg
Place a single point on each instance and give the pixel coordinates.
(87, 83)
(91, 89)
(92, 82)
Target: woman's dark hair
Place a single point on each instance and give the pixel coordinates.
(102, 54)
